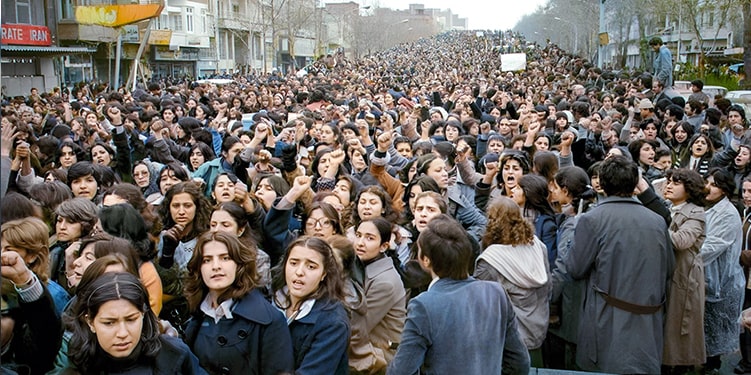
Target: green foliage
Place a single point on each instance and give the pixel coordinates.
(713, 75)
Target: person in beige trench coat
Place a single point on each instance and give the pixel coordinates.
(684, 321)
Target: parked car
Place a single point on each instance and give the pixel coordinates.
(742, 98)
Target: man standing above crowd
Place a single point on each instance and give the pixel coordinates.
(624, 251)
(663, 64)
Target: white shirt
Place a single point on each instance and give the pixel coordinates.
(221, 311)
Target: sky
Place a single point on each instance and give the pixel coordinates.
(482, 14)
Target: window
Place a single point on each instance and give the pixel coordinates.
(203, 21)
(176, 21)
(163, 22)
(257, 46)
(189, 19)
(66, 10)
(23, 11)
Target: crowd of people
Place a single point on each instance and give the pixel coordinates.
(416, 210)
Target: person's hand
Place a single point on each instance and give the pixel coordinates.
(462, 154)
(631, 112)
(9, 135)
(491, 169)
(22, 151)
(641, 186)
(299, 187)
(336, 158)
(534, 127)
(175, 233)
(166, 328)
(261, 132)
(567, 139)
(156, 130)
(14, 268)
(362, 127)
(485, 128)
(116, 117)
(425, 129)
(264, 157)
(384, 141)
(355, 144)
(387, 123)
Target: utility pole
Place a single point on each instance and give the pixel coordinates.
(600, 47)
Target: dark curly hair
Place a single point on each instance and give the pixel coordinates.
(692, 183)
(203, 208)
(246, 275)
(506, 226)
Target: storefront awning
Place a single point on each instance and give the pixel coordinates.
(53, 50)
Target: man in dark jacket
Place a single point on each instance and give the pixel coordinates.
(624, 251)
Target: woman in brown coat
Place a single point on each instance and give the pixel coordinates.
(684, 322)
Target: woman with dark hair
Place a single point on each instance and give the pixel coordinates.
(76, 219)
(681, 136)
(736, 131)
(130, 194)
(224, 188)
(68, 153)
(531, 194)
(170, 175)
(16, 206)
(684, 329)
(699, 155)
(209, 171)
(224, 299)
(643, 153)
(230, 217)
(571, 190)
(416, 186)
(326, 168)
(199, 154)
(517, 259)
(460, 207)
(501, 175)
(124, 221)
(724, 278)
(84, 180)
(332, 136)
(384, 290)
(186, 214)
(49, 195)
(114, 332)
(322, 220)
(309, 289)
(545, 164)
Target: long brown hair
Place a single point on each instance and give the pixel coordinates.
(246, 276)
(506, 226)
(331, 287)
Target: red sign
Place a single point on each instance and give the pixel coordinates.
(26, 35)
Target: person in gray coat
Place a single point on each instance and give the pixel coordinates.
(624, 252)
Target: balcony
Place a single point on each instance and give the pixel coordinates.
(235, 21)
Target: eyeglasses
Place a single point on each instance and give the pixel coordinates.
(323, 222)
